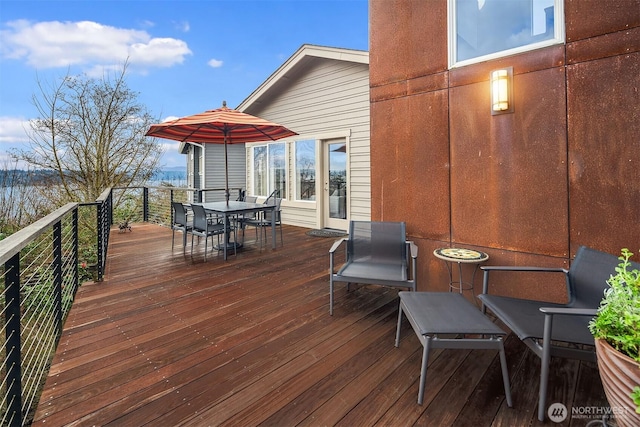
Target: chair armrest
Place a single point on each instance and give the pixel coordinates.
(488, 268)
(336, 244)
(413, 248)
(569, 310)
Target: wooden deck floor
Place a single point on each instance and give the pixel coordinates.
(169, 340)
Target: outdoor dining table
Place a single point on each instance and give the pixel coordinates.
(231, 208)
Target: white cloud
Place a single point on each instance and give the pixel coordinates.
(183, 26)
(215, 63)
(170, 118)
(170, 146)
(89, 44)
(13, 130)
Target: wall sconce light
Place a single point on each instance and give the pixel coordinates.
(502, 91)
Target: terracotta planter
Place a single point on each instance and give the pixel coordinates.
(619, 374)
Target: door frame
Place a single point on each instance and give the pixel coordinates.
(327, 220)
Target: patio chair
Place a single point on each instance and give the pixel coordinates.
(262, 221)
(180, 223)
(377, 253)
(247, 216)
(558, 330)
(205, 226)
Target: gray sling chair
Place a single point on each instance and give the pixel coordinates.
(377, 253)
(180, 223)
(206, 227)
(262, 220)
(559, 330)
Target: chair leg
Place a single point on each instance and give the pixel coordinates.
(544, 366)
(206, 238)
(505, 374)
(423, 369)
(330, 295)
(173, 236)
(399, 323)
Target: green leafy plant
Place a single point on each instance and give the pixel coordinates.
(636, 398)
(618, 318)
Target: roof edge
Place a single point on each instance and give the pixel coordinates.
(341, 54)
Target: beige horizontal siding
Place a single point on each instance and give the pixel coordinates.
(326, 97)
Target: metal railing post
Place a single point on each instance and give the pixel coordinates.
(13, 346)
(110, 206)
(145, 204)
(100, 227)
(57, 275)
(171, 214)
(75, 233)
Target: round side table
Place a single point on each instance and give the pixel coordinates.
(460, 256)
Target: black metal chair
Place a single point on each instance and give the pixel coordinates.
(377, 253)
(558, 330)
(204, 226)
(180, 223)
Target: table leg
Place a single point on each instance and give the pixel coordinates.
(273, 229)
(460, 281)
(226, 234)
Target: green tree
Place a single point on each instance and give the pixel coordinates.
(91, 133)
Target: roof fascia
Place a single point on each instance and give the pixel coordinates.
(306, 50)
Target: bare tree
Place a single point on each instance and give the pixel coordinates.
(90, 132)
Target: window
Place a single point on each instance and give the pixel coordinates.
(260, 171)
(305, 170)
(269, 169)
(277, 169)
(484, 29)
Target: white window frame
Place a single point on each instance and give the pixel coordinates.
(294, 187)
(268, 171)
(559, 37)
(253, 169)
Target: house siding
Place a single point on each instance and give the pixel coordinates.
(325, 99)
(214, 171)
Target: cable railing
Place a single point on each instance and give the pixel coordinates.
(38, 278)
(41, 268)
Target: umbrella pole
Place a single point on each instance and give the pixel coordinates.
(226, 171)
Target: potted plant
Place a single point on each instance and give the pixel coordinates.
(616, 329)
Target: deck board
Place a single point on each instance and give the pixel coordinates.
(168, 339)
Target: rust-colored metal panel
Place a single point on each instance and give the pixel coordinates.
(620, 43)
(388, 91)
(604, 153)
(512, 191)
(527, 62)
(540, 286)
(509, 172)
(428, 83)
(590, 18)
(398, 50)
(433, 275)
(410, 163)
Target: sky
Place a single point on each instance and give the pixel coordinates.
(184, 56)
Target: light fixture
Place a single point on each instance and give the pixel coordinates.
(502, 91)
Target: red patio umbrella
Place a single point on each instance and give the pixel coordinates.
(220, 126)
